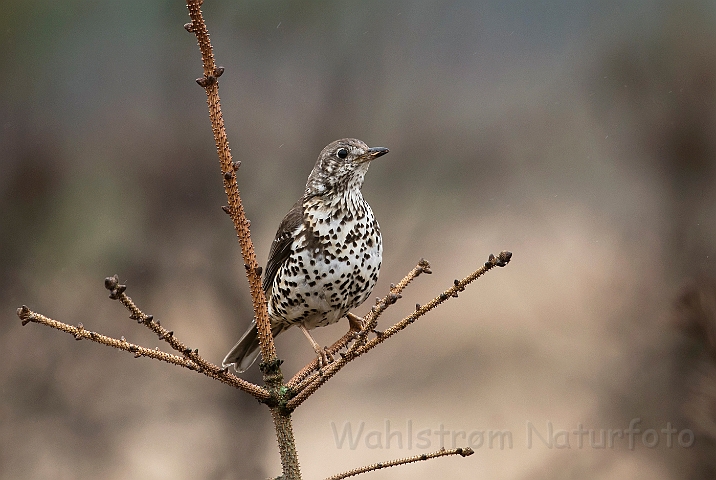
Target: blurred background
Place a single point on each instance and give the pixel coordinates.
(579, 135)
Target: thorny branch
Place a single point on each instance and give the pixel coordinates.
(188, 359)
(229, 169)
(304, 388)
(361, 331)
(270, 364)
(465, 452)
(281, 398)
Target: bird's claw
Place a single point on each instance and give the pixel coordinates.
(356, 323)
(324, 357)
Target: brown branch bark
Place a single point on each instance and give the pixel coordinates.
(195, 363)
(282, 399)
(270, 365)
(229, 169)
(307, 387)
(369, 324)
(464, 452)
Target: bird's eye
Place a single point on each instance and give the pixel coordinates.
(342, 153)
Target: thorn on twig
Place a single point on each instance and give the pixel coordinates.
(110, 283)
(503, 258)
(189, 27)
(490, 260)
(115, 288)
(206, 81)
(236, 165)
(187, 351)
(270, 367)
(425, 266)
(417, 307)
(148, 319)
(226, 209)
(443, 297)
(259, 271)
(122, 339)
(228, 175)
(24, 314)
(218, 71)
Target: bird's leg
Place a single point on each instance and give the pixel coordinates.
(324, 358)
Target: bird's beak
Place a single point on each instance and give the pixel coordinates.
(372, 154)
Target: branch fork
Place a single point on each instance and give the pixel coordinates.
(282, 398)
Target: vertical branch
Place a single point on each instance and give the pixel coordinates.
(270, 363)
(286, 443)
(228, 168)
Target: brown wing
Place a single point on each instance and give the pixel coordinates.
(281, 246)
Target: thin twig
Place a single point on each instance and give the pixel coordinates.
(210, 370)
(229, 169)
(458, 286)
(307, 387)
(117, 291)
(369, 323)
(313, 366)
(270, 364)
(465, 452)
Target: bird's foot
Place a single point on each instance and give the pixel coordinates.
(356, 323)
(324, 357)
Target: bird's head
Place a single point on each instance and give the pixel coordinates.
(341, 166)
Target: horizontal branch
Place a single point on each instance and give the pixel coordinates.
(465, 452)
(359, 333)
(308, 386)
(208, 369)
(458, 286)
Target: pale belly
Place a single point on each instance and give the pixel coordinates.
(318, 289)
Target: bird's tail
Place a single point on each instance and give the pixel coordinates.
(246, 350)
